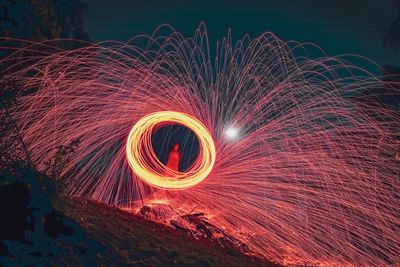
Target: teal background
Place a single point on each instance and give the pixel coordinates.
(338, 27)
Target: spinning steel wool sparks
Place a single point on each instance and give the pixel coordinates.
(294, 160)
(139, 142)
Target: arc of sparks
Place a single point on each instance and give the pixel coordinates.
(146, 165)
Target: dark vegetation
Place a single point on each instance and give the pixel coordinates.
(41, 20)
(392, 37)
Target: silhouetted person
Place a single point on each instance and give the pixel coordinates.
(174, 158)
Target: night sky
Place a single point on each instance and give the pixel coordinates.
(339, 27)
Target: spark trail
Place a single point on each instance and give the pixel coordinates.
(309, 176)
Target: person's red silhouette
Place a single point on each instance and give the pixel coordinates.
(174, 158)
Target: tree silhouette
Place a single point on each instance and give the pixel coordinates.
(392, 37)
(42, 19)
(14, 152)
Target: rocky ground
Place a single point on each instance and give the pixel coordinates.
(40, 228)
(138, 242)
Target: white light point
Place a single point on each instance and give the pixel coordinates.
(232, 133)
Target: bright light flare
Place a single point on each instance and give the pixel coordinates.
(232, 133)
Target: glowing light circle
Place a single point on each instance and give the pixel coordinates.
(145, 164)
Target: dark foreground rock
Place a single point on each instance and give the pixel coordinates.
(41, 229)
(137, 242)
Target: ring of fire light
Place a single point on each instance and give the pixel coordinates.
(145, 164)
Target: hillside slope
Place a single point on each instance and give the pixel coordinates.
(138, 242)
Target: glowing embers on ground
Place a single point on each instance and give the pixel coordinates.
(150, 169)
